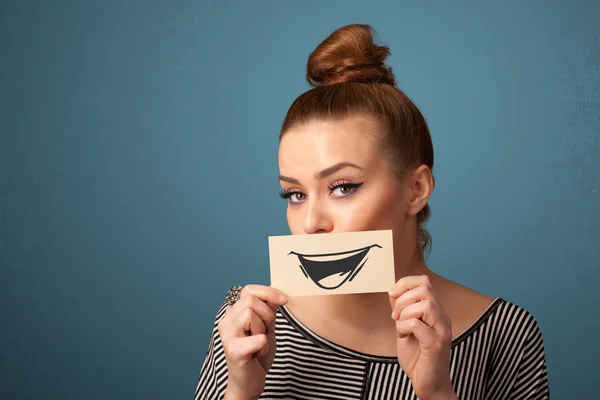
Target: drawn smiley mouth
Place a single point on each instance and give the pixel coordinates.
(331, 270)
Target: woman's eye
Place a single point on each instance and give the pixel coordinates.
(343, 190)
(296, 197)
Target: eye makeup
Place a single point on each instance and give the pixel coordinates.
(346, 185)
(288, 194)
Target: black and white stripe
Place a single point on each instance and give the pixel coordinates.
(501, 356)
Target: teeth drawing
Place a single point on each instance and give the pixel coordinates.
(330, 271)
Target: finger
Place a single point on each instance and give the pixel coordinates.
(262, 309)
(407, 283)
(240, 315)
(429, 341)
(263, 350)
(267, 294)
(416, 327)
(429, 313)
(244, 348)
(249, 323)
(412, 296)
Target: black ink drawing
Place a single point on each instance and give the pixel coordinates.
(326, 270)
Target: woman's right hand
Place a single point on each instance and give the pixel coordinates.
(248, 336)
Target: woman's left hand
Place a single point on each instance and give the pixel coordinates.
(424, 337)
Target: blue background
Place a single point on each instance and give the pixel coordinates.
(138, 173)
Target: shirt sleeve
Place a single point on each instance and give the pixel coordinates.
(212, 381)
(518, 367)
(531, 380)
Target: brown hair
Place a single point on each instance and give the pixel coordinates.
(349, 77)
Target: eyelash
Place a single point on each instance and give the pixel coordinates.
(286, 194)
(344, 184)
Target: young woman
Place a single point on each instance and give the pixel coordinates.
(356, 154)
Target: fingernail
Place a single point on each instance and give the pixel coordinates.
(283, 298)
(391, 291)
(393, 314)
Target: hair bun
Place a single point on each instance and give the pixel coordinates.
(349, 55)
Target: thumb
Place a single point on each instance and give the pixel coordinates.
(392, 302)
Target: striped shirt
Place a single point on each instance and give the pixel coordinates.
(500, 356)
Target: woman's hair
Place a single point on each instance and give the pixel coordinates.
(349, 78)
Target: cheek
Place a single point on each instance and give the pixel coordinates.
(294, 220)
(372, 213)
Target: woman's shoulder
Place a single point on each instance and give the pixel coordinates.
(218, 313)
(512, 319)
(503, 320)
(472, 311)
(510, 336)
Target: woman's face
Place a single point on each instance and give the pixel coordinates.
(336, 180)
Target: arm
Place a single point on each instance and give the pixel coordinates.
(212, 381)
(242, 347)
(518, 369)
(531, 380)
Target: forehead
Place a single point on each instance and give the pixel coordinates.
(320, 144)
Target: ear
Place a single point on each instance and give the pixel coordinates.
(421, 185)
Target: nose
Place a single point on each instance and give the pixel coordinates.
(316, 219)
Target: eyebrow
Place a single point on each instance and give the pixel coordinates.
(323, 174)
